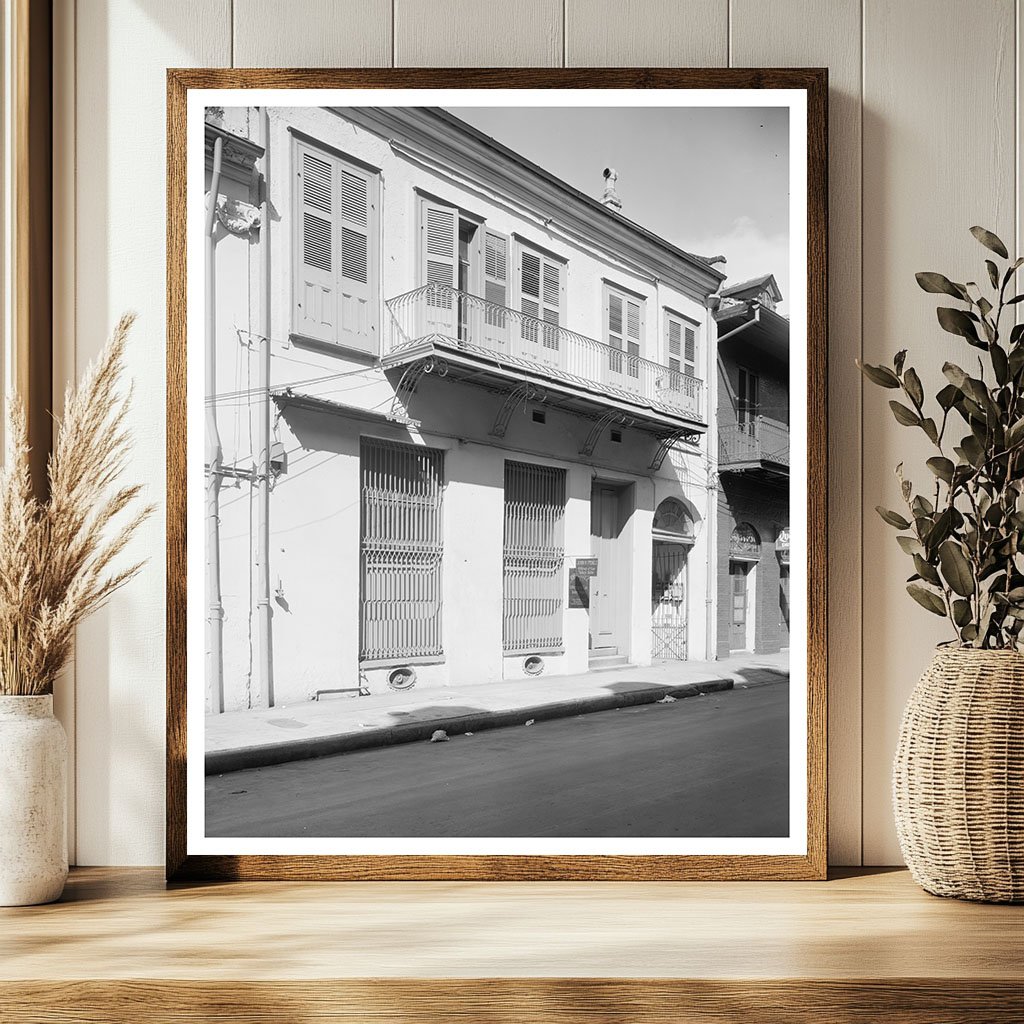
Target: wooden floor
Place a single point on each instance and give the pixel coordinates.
(869, 947)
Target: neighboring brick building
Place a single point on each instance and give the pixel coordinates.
(753, 469)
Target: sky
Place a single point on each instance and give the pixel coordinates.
(710, 180)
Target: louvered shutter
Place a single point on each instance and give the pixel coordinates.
(634, 333)
(439, 251)
(675, 351)
(495, 286)
(529, 287)
(335, 251)
(316, 294)
(690, 350)
(541, 286)
(613, 318)
(356, 214)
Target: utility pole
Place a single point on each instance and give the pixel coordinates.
(264, 611)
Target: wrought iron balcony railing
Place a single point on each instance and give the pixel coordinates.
(467, 323)
(758, 440)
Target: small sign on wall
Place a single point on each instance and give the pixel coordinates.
(580, 575)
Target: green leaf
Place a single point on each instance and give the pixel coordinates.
(961, 612)
(1014, 300)
(969, 633)
(990, 241)
(911, 545)
(893, 518)
(905, 416)
(984, 306)
(941, 467)
(928, 426)
(912, 385)
(957, 321)
(1000, 364)
(939, 284)
(993, 273)
(954, 375)
(922, 507)
(956, 570)
(1015, 434)
(947, 397)
(926, 598)
(926, 571)
(899, 359)
(880, 375)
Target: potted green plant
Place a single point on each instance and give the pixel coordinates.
(57, 565)
(958, 780)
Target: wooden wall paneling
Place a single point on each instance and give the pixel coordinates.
(467, 33)
(939, 156)
(123, 49)
(312, 33)
(780, 33)
(657, 33)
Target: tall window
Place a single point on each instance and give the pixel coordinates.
(681, 345)
(541, 297)
(336, 226)
(534, 555)
(401, 548)
(747, 400)
(624, 327)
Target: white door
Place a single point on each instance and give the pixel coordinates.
(609, 588)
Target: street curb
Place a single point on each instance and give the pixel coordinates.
(219, 762)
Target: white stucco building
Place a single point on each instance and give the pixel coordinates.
(445, 382)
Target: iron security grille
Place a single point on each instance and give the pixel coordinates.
(534, 554)
(402, 487)
(668, 601)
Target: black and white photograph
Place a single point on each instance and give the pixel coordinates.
(496, 542)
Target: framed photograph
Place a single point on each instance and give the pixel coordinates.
(496, 474)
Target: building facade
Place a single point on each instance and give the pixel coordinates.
(753, 469)
(460, 415)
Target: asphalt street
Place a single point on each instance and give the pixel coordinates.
(715, 766)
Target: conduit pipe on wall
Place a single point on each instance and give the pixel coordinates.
(264, 610)
(214, 459)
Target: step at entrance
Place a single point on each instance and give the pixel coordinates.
(606, 657)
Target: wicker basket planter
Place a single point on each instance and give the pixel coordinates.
(958, 776)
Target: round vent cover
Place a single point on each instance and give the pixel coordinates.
(403, 678)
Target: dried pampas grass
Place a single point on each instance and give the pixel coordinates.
(56, 557)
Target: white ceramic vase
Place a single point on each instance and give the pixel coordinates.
(33, 800)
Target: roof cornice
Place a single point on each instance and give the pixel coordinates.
(472, 154)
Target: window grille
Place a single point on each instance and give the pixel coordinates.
(534, 555)
(401, 491)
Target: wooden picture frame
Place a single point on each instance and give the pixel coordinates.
(181, 864)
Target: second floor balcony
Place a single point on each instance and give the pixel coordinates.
(502, 345)
(759, 445)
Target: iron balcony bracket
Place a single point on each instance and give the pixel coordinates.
(668, 442)
(519, 395)
(410, 379)
(598, 429)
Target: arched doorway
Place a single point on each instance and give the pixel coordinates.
(744, 554)
(672, 535)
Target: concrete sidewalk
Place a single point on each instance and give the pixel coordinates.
(253, 738)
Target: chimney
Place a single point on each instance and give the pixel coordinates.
(611, 199)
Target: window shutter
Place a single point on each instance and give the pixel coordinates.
(336, 226)
(357, 212)
(690, 350)
(634, 332)
(613, 330)
(496, 289)
(674, 342)
(439, 249)
(316, 296)
(541, 281)
(495, 268)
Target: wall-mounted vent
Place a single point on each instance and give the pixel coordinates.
(533, 665)
(403, 678)
(540, 416)
(617, 436)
